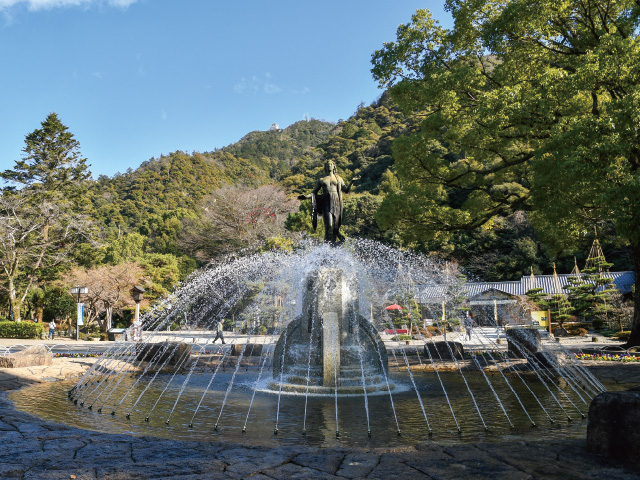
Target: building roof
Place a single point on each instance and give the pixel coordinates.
(623, 282)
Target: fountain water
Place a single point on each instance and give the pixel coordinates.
(343, 347)
(305, 315)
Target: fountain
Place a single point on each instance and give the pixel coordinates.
(312, 365)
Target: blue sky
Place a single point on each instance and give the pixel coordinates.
(133, 79)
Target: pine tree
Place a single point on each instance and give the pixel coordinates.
(40, 216)
(52, 164)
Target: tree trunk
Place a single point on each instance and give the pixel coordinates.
(39, 307)
(634, 339)
(15, 310)
(15, 305)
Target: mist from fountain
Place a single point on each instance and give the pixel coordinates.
(277, 289)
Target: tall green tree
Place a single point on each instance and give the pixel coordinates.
(41, 214)
(52, 163)
(530, 105)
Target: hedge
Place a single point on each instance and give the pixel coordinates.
(21, 330)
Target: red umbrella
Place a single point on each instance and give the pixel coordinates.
(395, 306)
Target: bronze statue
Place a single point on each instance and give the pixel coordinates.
(329, 204)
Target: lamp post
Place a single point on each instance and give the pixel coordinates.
(79, 291)
(137, 294)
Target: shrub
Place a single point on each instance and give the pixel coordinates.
(423, 332)
(433, 330)
(598, 324)
(578, 331)
(21, 330)
(624, 335)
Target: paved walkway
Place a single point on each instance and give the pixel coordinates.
(482, 338)
(40, 450)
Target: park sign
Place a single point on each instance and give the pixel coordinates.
(80, 315)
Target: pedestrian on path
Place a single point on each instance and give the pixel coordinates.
(219, 334)
(52, 330)
(468, 325)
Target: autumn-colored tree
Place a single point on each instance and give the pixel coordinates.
(109, 289)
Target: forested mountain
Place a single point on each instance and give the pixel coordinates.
(276, 151)
(164, 196)
(154, 198)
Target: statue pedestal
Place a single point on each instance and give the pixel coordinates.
(330, 348)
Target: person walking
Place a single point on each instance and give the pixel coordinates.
(52, 330)
(468, 325)
(219, 334)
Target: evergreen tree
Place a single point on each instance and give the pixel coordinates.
(52, 163)
(40, 223)
(592, 294)
(525, 106)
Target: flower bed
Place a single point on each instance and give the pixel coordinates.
(76, 355)
(607, 357)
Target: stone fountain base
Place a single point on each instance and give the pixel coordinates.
(36, 355)
(330, 346)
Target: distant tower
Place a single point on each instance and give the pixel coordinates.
(274, 126)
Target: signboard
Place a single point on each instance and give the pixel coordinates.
(539, 318)
(80, 316)
(136, 332)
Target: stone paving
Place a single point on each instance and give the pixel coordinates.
(35, 449)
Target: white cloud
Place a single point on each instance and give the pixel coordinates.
(163, 115)
(270, 88)
(256, 84)
(98, 75)
(35, 5)
(245, 85)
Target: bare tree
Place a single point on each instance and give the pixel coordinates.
(109, 287)
(35, 237)
(236, 217)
